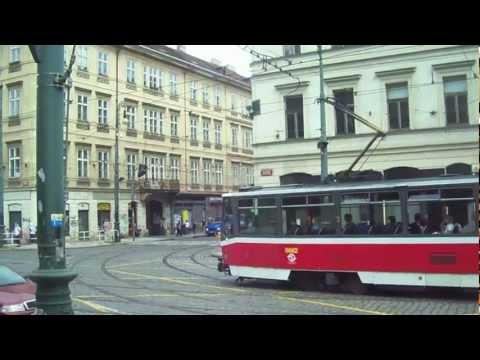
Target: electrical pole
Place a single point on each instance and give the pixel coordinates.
(117, 176)
(133, 207)
(323, 143)
(52, 277)
(2, 172)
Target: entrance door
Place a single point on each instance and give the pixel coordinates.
(83, 221)
(155, 218)
(132, 217)
(15, 217)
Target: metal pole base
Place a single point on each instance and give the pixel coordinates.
(53, 292)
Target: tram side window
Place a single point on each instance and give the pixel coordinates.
(257, 216)
(308, 215)
(371, 213)
(441, 211)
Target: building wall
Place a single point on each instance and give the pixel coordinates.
(429, 143)
(89, 192)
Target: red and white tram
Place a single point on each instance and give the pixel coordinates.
(421, 232)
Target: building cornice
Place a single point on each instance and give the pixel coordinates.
(342, 79)
(396, 72)
(293, 85)
(454, 65)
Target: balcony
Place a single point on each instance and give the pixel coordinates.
(153, 91)
(193, 102)
(247, 151)
(14, 66)
(14, 182)
(174, 97)
(131, 132)
(83, 73)
(83, 181)
(131, 86)
(103, 182)
(234, 149)
(104, 128)
(217, 108)
(14, 120)
(194, 142)
(194, 186)
(207, 144)
(174, 139)
(164, 185)
(82, 124)
(218, 146)
(103, 79)
(153, 136)
(206, 106)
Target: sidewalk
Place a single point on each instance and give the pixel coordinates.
(73, 244)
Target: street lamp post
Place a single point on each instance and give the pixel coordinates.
(52, 277)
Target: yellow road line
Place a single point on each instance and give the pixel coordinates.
(343, 307)
(98, 307)
(182, 282)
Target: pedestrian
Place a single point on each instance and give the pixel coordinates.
(193, 227)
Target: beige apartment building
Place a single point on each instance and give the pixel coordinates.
(183, 117)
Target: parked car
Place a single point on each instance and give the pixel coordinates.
(17, 294)
(213, 227)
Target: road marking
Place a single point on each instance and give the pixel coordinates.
(82, 297)
(173, 280)
(98, 307)
(343, 307)
(135, 263)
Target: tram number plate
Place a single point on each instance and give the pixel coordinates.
(291, 250)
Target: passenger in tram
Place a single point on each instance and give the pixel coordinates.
(449, 226)
(313, 228)
(470, 227)
(363, 227)
(417, 226)
(392, 227)
(350, 227)
(298, 228)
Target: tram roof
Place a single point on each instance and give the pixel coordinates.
(363, 185)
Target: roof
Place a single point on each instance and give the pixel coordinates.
(364, 185)
(220, 71)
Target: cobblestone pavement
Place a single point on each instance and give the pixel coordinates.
(178, 277)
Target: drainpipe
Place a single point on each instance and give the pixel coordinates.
(117, 180)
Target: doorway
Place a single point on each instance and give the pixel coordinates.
(155, 217)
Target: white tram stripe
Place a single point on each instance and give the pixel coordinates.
(351, 240)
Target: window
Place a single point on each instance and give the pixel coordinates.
(131, 165)
(371, 213)
(218, 173)
(236, 174)
(103, 164)
(102, 63)
(234, 104)
(82, 163)
(152, 162)
(205, 94)
(173, 84)
(206, 130)
(193, 127)
(193, 90)
(131, 71)
(152, 121)
(207, 169)
(258, 216)
(82, 57)
(82, 102)
(234, 136)
(456, 104)
(250, 178)
(194, 165)
(345, 123)
(397, 95)
(14, 53)
(247, 138)
(14, 100)
(161, 167)
(218, 133)
(152, 78)
(174, 124)
(14, 163)
(130, 115)
(175, 167)
(217, 96)
(308, 215)
(102, 111)
(291, 50)
(294, 114)
(444, 211)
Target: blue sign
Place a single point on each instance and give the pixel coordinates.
(56, 220)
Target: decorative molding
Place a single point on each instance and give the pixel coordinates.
(341, 79)
(454, 65)
(396, 72)
(131, 132)
(293, 85)
(131, 86)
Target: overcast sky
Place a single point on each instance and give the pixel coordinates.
(227, 54)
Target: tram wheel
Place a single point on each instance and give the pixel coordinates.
(353, 284)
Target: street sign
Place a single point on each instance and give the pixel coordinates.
(56, 220)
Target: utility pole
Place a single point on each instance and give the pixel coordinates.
(117, 176)
(52, 277)
(133, 207)
(323, 143)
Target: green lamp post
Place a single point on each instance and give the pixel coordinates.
(52, 277)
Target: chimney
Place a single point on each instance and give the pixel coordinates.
(182, 48)
(216, 62)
